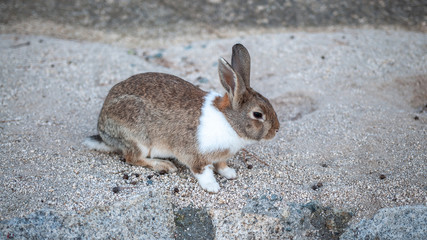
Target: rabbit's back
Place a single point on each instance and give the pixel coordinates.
(161, 89)
(153, 105)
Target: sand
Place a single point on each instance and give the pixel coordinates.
(352, 105)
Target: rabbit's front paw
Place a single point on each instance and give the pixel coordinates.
(228, 173)
(212, 187)
(207, 180)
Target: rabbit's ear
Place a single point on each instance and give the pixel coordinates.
(241, 62)
(232, 82)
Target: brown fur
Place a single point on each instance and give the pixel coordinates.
(222, 102)
(220, 165)
(157, 105)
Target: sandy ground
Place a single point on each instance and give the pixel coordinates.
(352, 105)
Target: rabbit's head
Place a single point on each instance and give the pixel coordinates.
(249, 113)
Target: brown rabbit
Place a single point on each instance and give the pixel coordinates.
(155, 115)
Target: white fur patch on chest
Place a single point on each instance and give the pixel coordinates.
(215, 132)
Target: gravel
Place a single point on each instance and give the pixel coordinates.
(347, 102)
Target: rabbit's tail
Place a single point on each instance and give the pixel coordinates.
(95, 142)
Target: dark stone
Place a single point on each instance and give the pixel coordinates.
(116, 189)
(329, 222)
(193, 223)
(310, 219)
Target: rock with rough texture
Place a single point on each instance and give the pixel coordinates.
(193, 223)
(406, 222)
(263, 217)
(143, 217)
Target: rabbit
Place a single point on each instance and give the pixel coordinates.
(154, 116)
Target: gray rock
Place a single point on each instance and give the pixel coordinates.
(193, 223)
(407, 222)
(143, 217)
(301, 221)
(262, 206)
(313, 220)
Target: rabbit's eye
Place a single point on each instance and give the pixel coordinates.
(257, 115)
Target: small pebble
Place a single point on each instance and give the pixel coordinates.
(274, 197)
(319, 184)
(125, 177)
(149, 182)
(132, 52)
(163, 172)
(150, 176)
(324, 165)
(134, 182)
(314, 187)
(416, 118)
(382, 176)
(322, 57)
(136, 174)
(250, 166)
(176, 190)
(157, 55)
(116, 189)
(202, 79)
